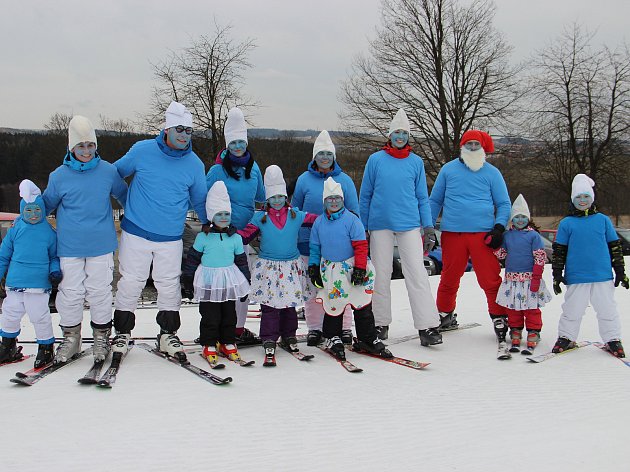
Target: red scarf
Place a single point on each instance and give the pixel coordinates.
(397, 153)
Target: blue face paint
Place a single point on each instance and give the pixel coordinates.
(399, 138)
(324, 160)
(177, 140)
(473, 145)
(32, 213)
(520, 221)
(222, 219)
(237, 148)
(333, 204)
(582, 201)
(277, 201)
(84, 152)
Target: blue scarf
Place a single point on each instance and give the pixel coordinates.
(79, 166)
(239, 161)
(336, 215)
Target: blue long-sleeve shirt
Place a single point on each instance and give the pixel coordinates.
(468, 199)
(165, 180)
(279, 244)
(332, 238)
(85, 227)
(308, 196)
(28, 254)
(394, 193)
(520, 246)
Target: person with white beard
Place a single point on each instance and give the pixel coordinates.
(473, 199)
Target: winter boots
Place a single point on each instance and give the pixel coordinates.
(430, 337)
(500, 327)
(376, 347)
(563, 344)
(101, 346)
(70, 345)
(616, 349)
(335, 345)
(169, 344)
(382, 332)
(448, 321)
(9, 351)
(45, 355)
(516, 335)
(314, 337)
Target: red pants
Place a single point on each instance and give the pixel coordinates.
(530, 319)
(456, 249)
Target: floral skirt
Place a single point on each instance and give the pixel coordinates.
(219, 284)
(338, 291)
(280, 284)
(516, 295)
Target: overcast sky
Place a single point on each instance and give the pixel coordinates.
(93, 57)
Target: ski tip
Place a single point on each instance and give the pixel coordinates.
(19, 381)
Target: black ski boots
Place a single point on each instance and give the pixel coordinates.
(314, 337)
(563, 344)
(376, 347)
(9, 351)
(346, 336)
(448, 321)
(45, 355)
(516, 334)
(382, 332)
(336, 347)
(430, 337)
(616, 349)
(500, 326)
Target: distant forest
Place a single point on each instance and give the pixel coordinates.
(34, 155)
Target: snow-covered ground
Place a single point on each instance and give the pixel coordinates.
(465, 412)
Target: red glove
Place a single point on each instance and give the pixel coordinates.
(537, 272)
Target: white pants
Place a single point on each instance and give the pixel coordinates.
(410, 248)
(134, 264)
(16, 304)
(601, 297)
(85, 278)
(314, 312)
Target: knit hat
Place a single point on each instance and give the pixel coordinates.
(80, 130)
(332, 188)
(217, 200)
(235, 127)
(475, 135)
(274, 182)
(582, 183)
(400, 121)
(324, 143)
(176, 115)
(30, 193)
(519, 207)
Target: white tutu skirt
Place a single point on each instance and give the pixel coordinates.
(516, 295)
(338, 291)
(219, 284)
(280, 284)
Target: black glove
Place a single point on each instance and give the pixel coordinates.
(621, 277)
(430, 239)
(558, 278)
(315, 275)
(358, 276)
(188, 290)
(242, 299)
(494, 238)
(55, 277)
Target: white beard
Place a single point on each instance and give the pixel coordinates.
(474, 160)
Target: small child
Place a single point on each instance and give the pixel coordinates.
(219, 264)
(28, 255)
(340, 268)
(523, 291)
(279, 275)
(586, 252)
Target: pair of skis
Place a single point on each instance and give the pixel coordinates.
(107, 380)
(33, 376)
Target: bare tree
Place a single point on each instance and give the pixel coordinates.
(444, 63)
(207, 77)
(119, 126)
(58, 123)
(580, 102)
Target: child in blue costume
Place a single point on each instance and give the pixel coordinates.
(340, 268)
(216, 275)
(28, 255)
(586, 252)
(279, 275)
(523, 291)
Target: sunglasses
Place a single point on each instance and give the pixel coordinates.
(335, 199)
(181, 129)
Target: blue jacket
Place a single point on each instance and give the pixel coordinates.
(28, 254)
(165, 181)
(468, 199)
(243, 192)
(520, 246)
(394, 193)
(308, 195)
(85, 227)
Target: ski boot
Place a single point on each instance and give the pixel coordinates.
(45, 355)
(120, 343)
(615, 348)
(210, 354)
(229, 351)
(430, 337)
(516, 336)
(533, 338)
(563, 344)
(448, 321)
(376, 347)
(101, 343)
(169, 344)
(500, 327)
(9, 351)
(346, 336)
(335, 346)
(290, 344)
(70, 345)
(270, 353)
(382, 332)
(247, 338)
(314, 337)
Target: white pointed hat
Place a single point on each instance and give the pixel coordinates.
(400, 121)
(274, 182)
(582, 183)
(80, 130)
(332, 188)
(217, 200)
(235, 128)
(177, 115)
(519, 207)
(324, 143)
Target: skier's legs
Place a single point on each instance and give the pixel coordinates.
(228, 322)
(575, 302)
(382, 254)
(269, 323)
(135, 255)
(167, 263)
(36, 305)
(71, 295)
(209, 326)
(13, 310)
(487, 270)
(603, 302)
(99, 274)
(454, 261)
